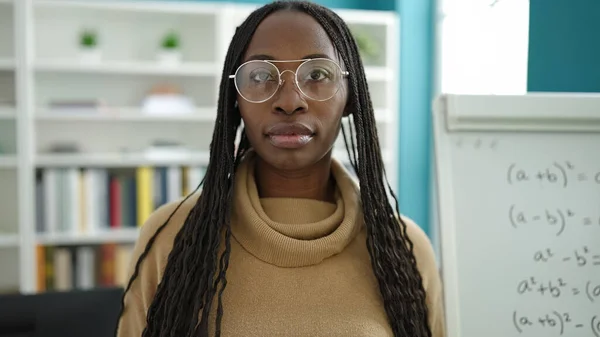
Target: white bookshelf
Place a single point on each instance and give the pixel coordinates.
(42, 35)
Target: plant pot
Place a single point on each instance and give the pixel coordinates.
(90, 55)
(169, 57)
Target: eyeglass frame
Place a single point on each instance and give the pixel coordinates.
(344, 73)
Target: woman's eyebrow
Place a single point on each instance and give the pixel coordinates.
(317, 56)
(269, 57)
(260, 57)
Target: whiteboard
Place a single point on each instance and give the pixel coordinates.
(518, 197)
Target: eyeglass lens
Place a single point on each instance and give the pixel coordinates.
(317, 79)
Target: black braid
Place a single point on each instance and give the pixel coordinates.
(194, 273)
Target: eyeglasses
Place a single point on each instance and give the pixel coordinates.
(318, 79)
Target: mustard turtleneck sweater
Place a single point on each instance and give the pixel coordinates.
(298, 267)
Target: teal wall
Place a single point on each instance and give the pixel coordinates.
(564, 46)
(417, 41)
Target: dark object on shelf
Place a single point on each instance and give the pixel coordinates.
(166, 143)
(64, 148)
(91, 313)
(78, 105)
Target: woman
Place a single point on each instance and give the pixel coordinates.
(281, 241)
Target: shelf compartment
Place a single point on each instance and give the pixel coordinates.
(125, 31)
(120, 91)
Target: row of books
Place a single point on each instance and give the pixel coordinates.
(84, 200)
(86, 267)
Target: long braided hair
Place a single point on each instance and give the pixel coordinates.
(194, 275)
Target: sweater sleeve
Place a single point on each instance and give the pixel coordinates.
(432, 282)
(138, 298)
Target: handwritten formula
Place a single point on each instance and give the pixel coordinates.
(581, 257)
(557, 173)
(559, 323)
(559, 288)
(555, 220)
(560, 294)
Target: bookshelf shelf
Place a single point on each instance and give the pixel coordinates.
(378, 73)
(128, 6)
(126, 68)
(120, 236)
(7, 113)
(124, 115)
(115, 160)
(383, 116)
(8, 162)
(9, 240)
(7, 64)
(201, 115)
(77, 132)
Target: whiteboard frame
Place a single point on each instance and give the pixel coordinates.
(446, 216)
(534, 112)
(529, 112)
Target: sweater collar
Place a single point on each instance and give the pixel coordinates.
(294, 232)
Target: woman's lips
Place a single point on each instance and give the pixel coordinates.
(290, 135)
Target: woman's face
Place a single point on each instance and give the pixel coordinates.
(290, 131)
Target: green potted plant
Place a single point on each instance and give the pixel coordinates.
(170, 49)
(88, 46)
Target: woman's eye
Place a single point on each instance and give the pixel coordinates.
(318, 75)
(260, 77)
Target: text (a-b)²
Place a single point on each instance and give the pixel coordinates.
(555, 219)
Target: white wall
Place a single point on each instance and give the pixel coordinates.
(481, 48)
